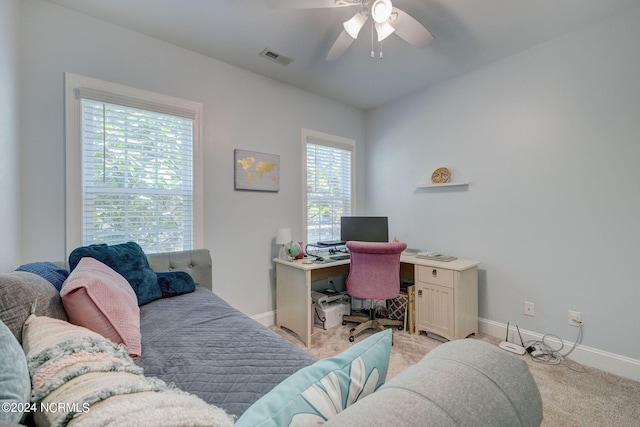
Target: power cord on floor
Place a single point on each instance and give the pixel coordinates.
(542, 352)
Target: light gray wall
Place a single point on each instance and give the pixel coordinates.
(550, 140)
(241, 110)
(9, 133)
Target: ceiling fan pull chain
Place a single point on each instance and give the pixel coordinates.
(373, 54)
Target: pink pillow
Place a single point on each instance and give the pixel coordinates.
(98, 298)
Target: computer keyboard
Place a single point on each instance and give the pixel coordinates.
(340, 257)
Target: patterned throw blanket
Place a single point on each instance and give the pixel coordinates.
(82, 379)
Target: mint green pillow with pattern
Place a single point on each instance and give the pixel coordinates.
(15, 383)
(316, 393)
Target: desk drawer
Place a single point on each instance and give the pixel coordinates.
(436, 276)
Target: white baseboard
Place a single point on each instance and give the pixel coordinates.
(267, 319)
(605, 361)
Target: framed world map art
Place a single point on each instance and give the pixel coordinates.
(256, 171)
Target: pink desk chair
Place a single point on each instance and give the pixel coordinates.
(374, 275)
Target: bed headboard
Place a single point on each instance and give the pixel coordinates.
(196, 262)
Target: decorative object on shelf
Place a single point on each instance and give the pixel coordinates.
(256, 171)
(440, 176)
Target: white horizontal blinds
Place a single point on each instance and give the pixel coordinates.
(329, 180)
(137, 175)
(143, 104)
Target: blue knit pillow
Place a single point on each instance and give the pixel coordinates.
(129, 261)
(47, 270)
(15, 384)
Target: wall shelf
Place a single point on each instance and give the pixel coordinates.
(446, 184)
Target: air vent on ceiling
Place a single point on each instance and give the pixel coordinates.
(275, 56)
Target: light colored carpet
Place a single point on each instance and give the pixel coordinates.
(572, 395)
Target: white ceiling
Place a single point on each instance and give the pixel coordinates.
(468, 34)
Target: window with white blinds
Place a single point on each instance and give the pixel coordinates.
(137, 171)
(329, 167)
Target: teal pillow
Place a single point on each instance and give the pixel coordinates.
(316, 393)
(174, 283)
(129, 261)
(15, 384)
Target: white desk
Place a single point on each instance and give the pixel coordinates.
(293, 293)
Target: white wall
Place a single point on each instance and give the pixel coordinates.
(550, 140)
(241, 110)
(9, 134)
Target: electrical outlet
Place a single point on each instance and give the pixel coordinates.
(575, 318)
(529, 308)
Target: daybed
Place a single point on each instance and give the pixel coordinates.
(199, 344)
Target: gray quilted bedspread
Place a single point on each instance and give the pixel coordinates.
(206, 347)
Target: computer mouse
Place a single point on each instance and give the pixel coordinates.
(319, 259)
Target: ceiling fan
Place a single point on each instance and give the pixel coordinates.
(387, 19)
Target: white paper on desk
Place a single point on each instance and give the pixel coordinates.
(437, 257)
(429, 254)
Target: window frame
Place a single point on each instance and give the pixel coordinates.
(322, 138)
(73, 149)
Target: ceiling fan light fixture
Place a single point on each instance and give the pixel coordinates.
(381, 10)
(384, 30)
(355, 24)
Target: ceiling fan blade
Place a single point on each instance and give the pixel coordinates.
(341, 44)
(409, 29)
(310, 4)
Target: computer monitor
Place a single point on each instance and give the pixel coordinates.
(364, 228)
